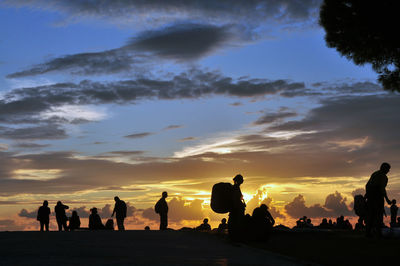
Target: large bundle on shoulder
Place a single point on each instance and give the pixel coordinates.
(221, 197)
(360, 205)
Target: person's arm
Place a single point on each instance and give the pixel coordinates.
(112, 215)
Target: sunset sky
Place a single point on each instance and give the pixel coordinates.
(131, 98)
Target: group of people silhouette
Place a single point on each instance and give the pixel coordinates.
(74, 222)
(369, 208)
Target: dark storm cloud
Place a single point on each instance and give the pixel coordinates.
(182, 42)
(138, 135)
(335, 205)
(159, 11)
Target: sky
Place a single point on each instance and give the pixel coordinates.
(132, 98)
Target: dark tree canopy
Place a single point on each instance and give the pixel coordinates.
(366, 31)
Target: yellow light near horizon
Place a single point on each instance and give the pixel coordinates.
(36, 174)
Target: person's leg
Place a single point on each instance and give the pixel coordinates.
(59, 224)
(41, 226)
(163, 221)
(64, 223)
(120, 223)
(46, 225)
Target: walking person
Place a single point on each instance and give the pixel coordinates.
(375, 197)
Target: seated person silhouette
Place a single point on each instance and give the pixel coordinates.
(262, 223)
(95, 220)
(204, 226)
(222, 226)
(74, 221)
(324, 224)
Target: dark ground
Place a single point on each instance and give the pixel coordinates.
(194, 248)
(129, 248)
(334, 247)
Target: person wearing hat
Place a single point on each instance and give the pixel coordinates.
(238, 207)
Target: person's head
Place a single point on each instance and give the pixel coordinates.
(385, 167)
(238, 179)
(93, 210)
(59, 203)
(324, 221)
(223, 220)
(164, 194)
(308, 220)
(74, 213)
(116, 199)
(264, 207)
(147, 228)
(45, 203)
(205, 221)
(394, 202)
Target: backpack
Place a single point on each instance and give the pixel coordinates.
(221, 197)
(157, 207)
(109, 224)
(360, 205)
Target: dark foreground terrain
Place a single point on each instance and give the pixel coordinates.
(130, 248)
(334, 247)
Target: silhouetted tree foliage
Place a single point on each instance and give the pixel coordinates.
(366, 31)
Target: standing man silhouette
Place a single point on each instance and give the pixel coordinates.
(161, 208)
(120, 211)
(236, 214)
(43, 215)
(375, 196)
(61, 217)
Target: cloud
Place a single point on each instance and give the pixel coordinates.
(125, 153)
(30, 145)
(159, 12)
(49, 131)
(172, 127)
(105, 62)
(28, 214)
(182, 41)
(138, 135)
(180, 210)
(274, 117)
(335, 205)
(187, 139)
(49, 102)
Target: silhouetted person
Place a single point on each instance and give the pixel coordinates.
(393, 213)
(74, 221)
(375, 196)
(120, 213)
(43, 215)
(95, 220)
(161, 208)
(147, 228)
(324, 224)
(61, 217)
(238, 207)
(222, 226)
(205, 226)
(262, 223)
